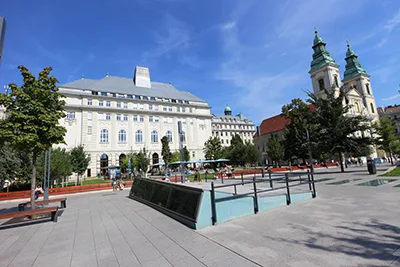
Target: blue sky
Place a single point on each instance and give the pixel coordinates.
(253, 55)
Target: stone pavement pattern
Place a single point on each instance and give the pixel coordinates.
(346, 225)
(108, 229)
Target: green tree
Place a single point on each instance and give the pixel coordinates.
(236, 140)
(300, 118)
(79, 160)
(212, 148)
(32, 115)
(275, 150)
(186, 154)
(142, 162)
(60, 165)
(252, 154)
(10, 163)
(386, 138)
(338, 133)
(125, 161)
(165, 151)
(175, 157)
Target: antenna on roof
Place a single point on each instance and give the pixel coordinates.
(107, 74)
(83, 76)
(170, 83)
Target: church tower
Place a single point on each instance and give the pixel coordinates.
(324, 71)
(355, 77)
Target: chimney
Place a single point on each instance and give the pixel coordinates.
(83, 77)
(141, 77)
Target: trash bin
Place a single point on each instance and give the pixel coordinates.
(371, 166)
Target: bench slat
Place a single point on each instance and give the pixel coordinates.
(18, 214)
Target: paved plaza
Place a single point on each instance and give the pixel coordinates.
(346, 225)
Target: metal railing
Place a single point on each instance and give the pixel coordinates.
(254, 193)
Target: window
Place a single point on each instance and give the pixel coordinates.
(89, 116)
(130, 96)
(118, 104)
(94, 93)
(145, 98)
(164, 108)
(150, 106)
(108, 116)
(372, 108)
(154, 136)
(155, 107)
(150, 118)
(141, 118)
(100, 116)
(137, 97)
(173, 100)
(141, 106)
(368, 91)
(152, 98)
(169, 136)
(186, 102)
(122, 136)
(71, 115)
(180, 101)
(135, 106)
(125, 117)
(193, 155)
(183, 109)
(135, 118)
(222, 133)
(169, 108)
(139, 136)
(358, 107)
(104, 136)
(103, 93)
(178, 109)
(100, 103)
(125, 105)
(156, 119)
(118, 117)
(108, 103)
(183, 137)
(191, 110)
(336, 81)
(89, 102)
(321, 84)
(89, 130)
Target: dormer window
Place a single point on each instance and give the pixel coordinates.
(321, 84)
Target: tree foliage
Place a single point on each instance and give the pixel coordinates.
(186, 154)
(32, 115)
(165, 151)
(13, 163)
(142, 162)
(337, 132)
(275, 150)
(175, 157)
(60, 165)
(212, 148)
(79, 160)
(386, 138)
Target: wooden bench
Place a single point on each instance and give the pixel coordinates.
(25, 213)
(63, 203)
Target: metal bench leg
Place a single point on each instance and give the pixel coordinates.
(63, 204)
(54, 216)
(21, 207)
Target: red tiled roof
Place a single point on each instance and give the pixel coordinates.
(274, 124)
(392, 109)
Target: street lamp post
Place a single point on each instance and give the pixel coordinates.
(181, 150)
(260, 148)
(46, 189)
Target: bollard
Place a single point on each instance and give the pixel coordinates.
(242, 178)
(222, 177)
(270, 180)
(176, 178)
(235, 189)
(255, 195)
(309, 180)
(288, 200)
(314, 194)
(213, 207)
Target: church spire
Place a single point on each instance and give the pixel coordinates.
(321, 56)
(353, 66)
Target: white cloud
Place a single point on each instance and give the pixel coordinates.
(392, 97)
(393, 22)
(229, 25)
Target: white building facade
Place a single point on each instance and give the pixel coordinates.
(227, 125)
(115, 116)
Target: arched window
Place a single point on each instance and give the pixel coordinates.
(139, 136)
(321, 84)
(169, 136)
(122, 136)
(154, 136)
(372, 108)
(336, 81)
(104, 136)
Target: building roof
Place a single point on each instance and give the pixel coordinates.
(122, 85)
(239, 117)
(353, 66)
(274, 124)
(321, 56)
(393, 109)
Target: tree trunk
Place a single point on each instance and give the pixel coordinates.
(33, 180)
(77, 179)
(341, 162)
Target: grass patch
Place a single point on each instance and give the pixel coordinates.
(394, 172)
(90, 181)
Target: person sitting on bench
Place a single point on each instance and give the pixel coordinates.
(38, 191)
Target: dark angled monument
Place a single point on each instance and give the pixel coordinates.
(2, 35)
